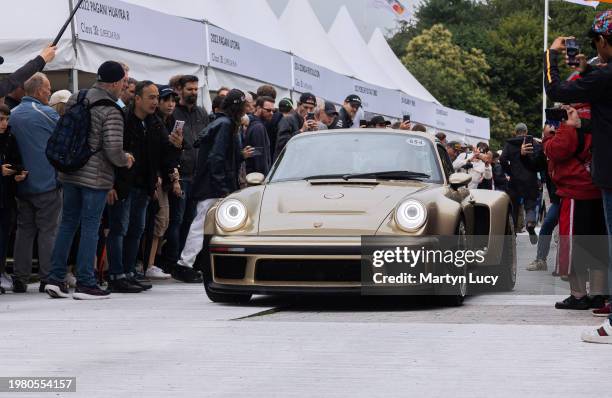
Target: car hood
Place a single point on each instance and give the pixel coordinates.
(330, 208)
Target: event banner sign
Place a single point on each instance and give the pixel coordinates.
(246, 57)
(322, 82)
(123, 25)
(376, 99)
(420, 111)
(477, 126)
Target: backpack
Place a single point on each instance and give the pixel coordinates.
(68, 148)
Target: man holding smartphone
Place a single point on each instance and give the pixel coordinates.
(257, 137)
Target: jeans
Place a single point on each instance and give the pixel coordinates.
(550, 222)
(176, 234)
(529, 204)
(82, 206)
(38, 215)
(7, 218)
(607, 204)
(126, 222)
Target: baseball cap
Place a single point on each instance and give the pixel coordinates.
(110, 72)
(61, 96)
(165, 91)
(285, 105)
(379, 120)
(330, 108)
(353, 99)
(234, 97)
(520, 127)
(308, 98)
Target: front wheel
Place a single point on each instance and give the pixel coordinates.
(454, 296)
(507, 269)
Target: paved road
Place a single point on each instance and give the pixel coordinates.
(172, 341)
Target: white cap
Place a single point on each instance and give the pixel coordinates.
(59, 96)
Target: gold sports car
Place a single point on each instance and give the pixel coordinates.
(299, 230)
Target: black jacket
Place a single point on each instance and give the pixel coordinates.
(9, 154)
(539, 163)
(499, 177)
(154, 155)
(219, 159)
(343, 121)
(523, 180)
(257, 137)
(287, 128)
(594, 87)
(195, 120)
(22, 74)
(272, 129)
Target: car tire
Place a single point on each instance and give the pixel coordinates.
(455, 299)
(508, 269)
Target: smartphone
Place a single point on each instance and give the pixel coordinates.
(310, 116)
(572, 49)
(178, 125)
(17, 168)
(529, 139)
(257, 150)
(406, 118)
(556, 115)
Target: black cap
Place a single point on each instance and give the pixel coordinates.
(353, 99)
(308, 98)
(234, 97)
(285, 105)
(165, 91)
(110, 72)
(379, 120)
(330, 108)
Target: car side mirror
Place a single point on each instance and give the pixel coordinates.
(457, 180)
(255, 179)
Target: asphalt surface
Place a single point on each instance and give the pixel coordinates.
(172, 341)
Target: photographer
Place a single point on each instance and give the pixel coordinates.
(476, 164)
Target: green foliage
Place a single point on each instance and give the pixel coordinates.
(485, 57)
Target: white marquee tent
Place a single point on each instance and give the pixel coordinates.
(388, 61)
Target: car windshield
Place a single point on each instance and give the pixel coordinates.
(341, 155)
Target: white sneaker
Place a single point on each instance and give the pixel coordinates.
(71, 280)
(154, 272)
(6, 281)
(601, 335)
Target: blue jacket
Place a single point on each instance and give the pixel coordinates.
(32, 123)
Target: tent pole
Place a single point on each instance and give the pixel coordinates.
(73, 79)
(545, 48)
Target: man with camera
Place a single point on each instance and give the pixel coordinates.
(302, 119)
(593, 87)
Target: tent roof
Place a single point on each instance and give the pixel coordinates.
(253, 19)
(388, 61)
(349, 44)
(308, 38)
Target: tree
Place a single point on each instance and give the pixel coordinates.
(456, 77)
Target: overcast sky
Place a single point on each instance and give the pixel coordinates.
(365, 17)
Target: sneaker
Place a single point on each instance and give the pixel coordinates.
(597, 302)
(187, 275)
(537, 265)
(57, 289)
(6, 281)
(71, 280)
(41, 287)
(601, 335)
(603, 311)
(533, 237)
(154, 272)
(123, 286)
(144, 284)
(90, 293)
(19, 286)
(572, 303)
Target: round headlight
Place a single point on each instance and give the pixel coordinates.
(411, 215)
(231, 215)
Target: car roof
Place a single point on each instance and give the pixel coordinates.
(426, 136)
